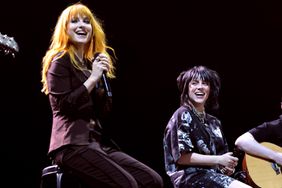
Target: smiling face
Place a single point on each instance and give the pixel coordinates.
(79, 30)
(199, 91)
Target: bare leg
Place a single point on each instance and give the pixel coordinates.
(238, 184)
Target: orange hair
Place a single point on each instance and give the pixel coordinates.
(60, 43)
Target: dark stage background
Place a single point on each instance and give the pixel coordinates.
(154, 42)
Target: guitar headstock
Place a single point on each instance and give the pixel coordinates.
(8, 45)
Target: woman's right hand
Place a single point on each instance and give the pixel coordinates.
(229, 161)
(100, 64)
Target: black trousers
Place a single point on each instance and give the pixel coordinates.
(107, 168)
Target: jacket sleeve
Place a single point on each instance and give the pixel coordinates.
(68, 94)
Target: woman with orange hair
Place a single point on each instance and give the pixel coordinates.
(72, 69)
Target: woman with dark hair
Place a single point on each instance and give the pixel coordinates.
(195, 149)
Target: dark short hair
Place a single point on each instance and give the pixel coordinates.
(203, 73)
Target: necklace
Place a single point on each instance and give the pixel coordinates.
(201, 115)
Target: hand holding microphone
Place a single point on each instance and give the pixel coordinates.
(103, 61)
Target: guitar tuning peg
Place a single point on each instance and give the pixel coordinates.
(8, 45)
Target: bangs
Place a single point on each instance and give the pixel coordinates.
(200, 74)
(79, 11)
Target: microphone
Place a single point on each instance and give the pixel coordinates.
(106, 84)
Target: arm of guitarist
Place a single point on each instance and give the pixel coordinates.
(248, 144)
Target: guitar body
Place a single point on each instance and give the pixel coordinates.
(262, 173)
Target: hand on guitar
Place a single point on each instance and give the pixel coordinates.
(278, 158)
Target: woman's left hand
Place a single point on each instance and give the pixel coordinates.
(227, 171)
